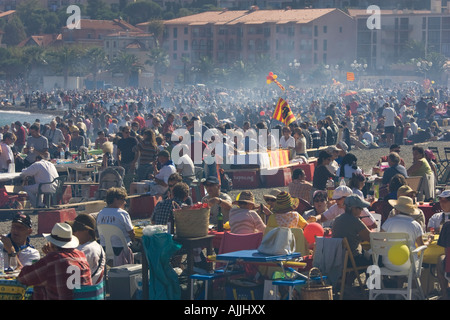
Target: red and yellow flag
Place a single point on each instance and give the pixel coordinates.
(283, 112)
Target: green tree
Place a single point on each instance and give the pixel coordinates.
(14, 32)
(125, 64)
(33, 58)
(64, 60)
(142, 11)
(159, 60)
(10, 63)
(95, 60)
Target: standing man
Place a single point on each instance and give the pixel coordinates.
(37, 145)
(389, 115)
(21, 135)
(6, 154)
(126, 151)
(54, 137)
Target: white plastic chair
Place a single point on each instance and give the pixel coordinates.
(377, 218)
(108, 231)
(380, 243)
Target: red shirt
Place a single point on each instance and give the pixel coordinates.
(52, 274)
(141, 122)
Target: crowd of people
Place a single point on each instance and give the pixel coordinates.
(153, 136)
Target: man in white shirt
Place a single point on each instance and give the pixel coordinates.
(42, 171)
(185, 167)
(161, 176)
(6, 154)
(389, 115)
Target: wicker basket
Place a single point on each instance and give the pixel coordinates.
(191, 223)
(316, 291)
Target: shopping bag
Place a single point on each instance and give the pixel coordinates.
(278, 241)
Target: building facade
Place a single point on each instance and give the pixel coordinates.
(310, 36)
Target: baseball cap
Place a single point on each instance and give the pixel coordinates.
(355, 201)
(444, 194)
(212, 179)
(342, 191)
(23, 219)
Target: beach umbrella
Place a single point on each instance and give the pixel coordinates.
(368, 90)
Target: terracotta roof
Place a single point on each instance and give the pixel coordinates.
(112, 25)
(132, 34)
(251, 16)
(38, 40)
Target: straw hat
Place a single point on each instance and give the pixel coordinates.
(405, 205)
(245, 196)
(285, 203)
(62, 237)
(272, 194)
(405, 190)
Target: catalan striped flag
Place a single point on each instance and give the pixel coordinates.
(350, 76)
(283, 112)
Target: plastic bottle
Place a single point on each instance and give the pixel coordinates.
(13, 263)
(170, 225)
(62, 154)
(342, 182)
(2, 259)
(220, 220)
(330, 188)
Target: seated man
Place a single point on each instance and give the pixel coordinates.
(349, 225)
(17, 243)
(161, 176)
(299, 187)
(42, 171)
(394, 168)
(49, 275)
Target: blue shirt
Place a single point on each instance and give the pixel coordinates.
(392, 171)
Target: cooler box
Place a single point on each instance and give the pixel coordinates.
(143, 206)
(125, 282)
(47, 219)
(281, 179)
(246, 179)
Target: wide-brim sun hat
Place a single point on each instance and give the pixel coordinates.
(285, 203)
(272, 194)
(245, 196)
(405, 205)
(62, 236)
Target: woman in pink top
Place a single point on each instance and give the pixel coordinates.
(243, 218)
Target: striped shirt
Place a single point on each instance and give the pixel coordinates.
(147, 152)
(243, 221)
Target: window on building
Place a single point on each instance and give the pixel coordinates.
(175, 45)
(186, 45)
(325, 29)
(316, 31)
(325, 44)
(186, 30)
(175, 32)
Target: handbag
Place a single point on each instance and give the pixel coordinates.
(278, 241)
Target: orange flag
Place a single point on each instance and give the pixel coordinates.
(350, 76)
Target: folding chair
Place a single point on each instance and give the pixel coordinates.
(415, 182)
(381, 243)
(332, 256)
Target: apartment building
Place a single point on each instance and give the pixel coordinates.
(383, 46)
(311, 36)
(137, 43)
